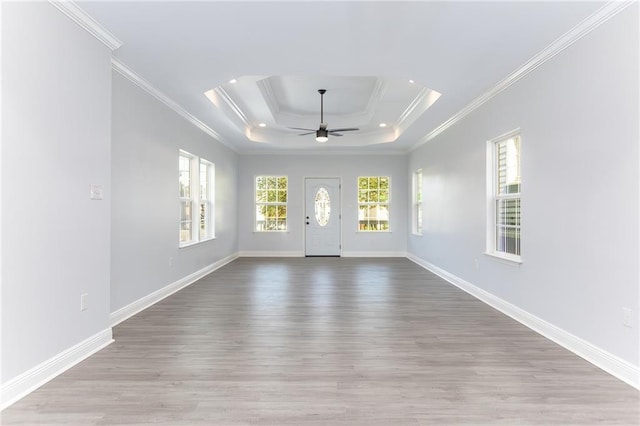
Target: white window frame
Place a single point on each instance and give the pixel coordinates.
(416, 203)
(374, 203)
(206, 230)
(493, 197)
(276, 204)
(196, 199)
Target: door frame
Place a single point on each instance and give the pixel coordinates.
(304, 211)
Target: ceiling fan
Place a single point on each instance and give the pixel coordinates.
(322, 134)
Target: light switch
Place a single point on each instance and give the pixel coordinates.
(96, 192)
(626, 317)
(83, 301)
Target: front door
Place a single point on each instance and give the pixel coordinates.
(322, 217)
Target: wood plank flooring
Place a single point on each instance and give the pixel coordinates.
(327, 341)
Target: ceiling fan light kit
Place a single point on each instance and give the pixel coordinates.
(322, 135)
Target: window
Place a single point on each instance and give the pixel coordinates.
(417, 202)
(271, 203)
(322, 206)
(196, 179)
(373, 203)
(504, 230)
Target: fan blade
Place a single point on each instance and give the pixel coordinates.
(308, 133)
(300, 128)
(335, 134)
(349, 129)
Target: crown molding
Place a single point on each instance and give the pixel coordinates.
(583, 28)
(79, 16)
(82, 18)
(413, 105)
(224, 95)
(264, 85)
(376, 94)
(136, 79)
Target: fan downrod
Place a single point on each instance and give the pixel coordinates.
(322, 92)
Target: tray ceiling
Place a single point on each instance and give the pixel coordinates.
(269, 109)
(364, 54)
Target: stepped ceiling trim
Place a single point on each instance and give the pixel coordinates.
(267, 109)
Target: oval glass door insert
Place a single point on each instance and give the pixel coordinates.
(322, 206)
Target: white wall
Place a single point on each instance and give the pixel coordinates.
(147, 137)
(579, 119)
(56, 93)
(346, 167)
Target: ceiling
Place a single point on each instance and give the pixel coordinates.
(411, 65)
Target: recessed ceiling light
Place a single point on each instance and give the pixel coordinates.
(382, 124)
(233, 81)
(411, 81)
(262, 125)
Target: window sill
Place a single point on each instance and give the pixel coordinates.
(512, 261)
(417, 234)
(195, 243)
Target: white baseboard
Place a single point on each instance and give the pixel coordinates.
(22, 385)
(270, 253)
(608, 362)
(374, 254)
(143, 303)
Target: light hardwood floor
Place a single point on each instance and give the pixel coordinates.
(327, 341)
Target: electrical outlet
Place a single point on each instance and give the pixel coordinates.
(83, 301)
(626, 317)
